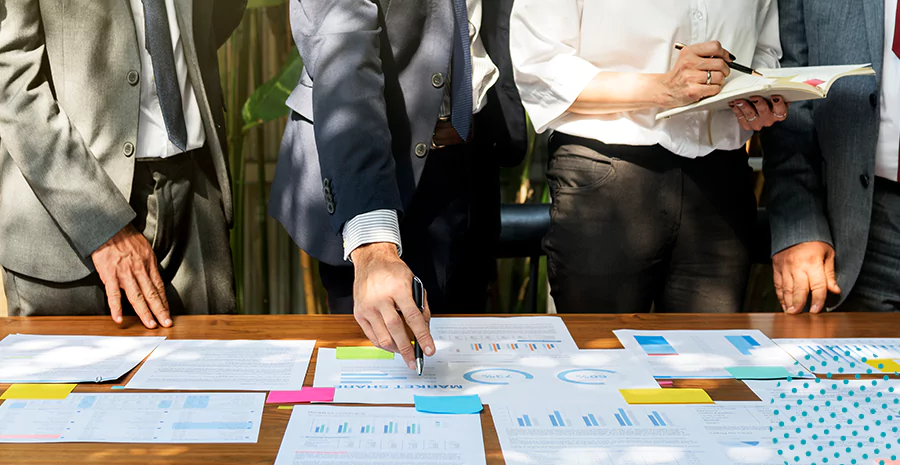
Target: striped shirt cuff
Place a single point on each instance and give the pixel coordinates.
(369, 228)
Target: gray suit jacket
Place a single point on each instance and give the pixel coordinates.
(69, 108)
(819, 164)
(366, 106)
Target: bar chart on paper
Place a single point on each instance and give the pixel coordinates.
(706, 354)
(351, 435)
(577, 417)
(471, 339)
(844, 356)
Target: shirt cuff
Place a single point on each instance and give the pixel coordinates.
(371, 227)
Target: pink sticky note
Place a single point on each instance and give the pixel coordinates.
(305, 395)
(814, 82)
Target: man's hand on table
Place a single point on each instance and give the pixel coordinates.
(382, 300)
(126, 261)
(804, 269)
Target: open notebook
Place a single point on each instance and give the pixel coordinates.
(794, 84)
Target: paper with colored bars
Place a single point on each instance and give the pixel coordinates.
(840, 356)
(706, 354)
(28, 358)
(386, 435)
(601, 431)
(236, 365)
(392, 382)
(467, 339)
(134, 418)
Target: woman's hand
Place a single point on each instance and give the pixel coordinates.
(700, 72)
(757, 112)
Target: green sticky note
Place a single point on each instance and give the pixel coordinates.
(363, 353)
(759, 372)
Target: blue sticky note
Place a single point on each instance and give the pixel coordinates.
(759, 372)
(118, 387)
(449, 404)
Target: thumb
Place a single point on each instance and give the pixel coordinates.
(830, 277)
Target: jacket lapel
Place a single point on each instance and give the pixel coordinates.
(874, 10)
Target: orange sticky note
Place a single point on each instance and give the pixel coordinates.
(666, 396)
(38, 391)
(885, 365)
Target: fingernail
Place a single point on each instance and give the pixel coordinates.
(429, 351)
(167, 322)
(732, 57)
(791, 308)
(776, 99)
(411, 365)
(814, 308)
(740, 104)
(118, 319)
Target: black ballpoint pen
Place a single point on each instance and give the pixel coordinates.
(418, 291)
(731, 64)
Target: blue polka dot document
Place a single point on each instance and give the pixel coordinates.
(833, 421)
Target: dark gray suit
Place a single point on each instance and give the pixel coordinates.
(364, 113)
(69, 107)
(819, 164)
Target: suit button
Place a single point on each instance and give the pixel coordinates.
(873, 100)
(128, 149)
(437, 80)
(421, 150)
(864, 180)
(329, 206)
(133, 77)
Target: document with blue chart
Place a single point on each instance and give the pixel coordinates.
(134, 418)
(586, 372)
(841, 356)
(602, 431)
(380, 435)
(706, 354)
(467, 339)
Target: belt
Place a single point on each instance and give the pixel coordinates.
(445, 135)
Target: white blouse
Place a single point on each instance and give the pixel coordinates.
(559, 46)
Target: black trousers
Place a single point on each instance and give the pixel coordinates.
(635, 228)
(449, 233)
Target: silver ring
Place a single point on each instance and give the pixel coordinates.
(753, 119)
(708, 77)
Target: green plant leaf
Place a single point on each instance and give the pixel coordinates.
(267, 101)
(264, 3)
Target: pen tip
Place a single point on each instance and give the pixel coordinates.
(420, 366)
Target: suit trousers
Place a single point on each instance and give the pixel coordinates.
(179, 211)
(635, 228)
(877, 288)
(449, 233)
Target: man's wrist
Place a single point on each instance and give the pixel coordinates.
(375, 251)
(377, 226)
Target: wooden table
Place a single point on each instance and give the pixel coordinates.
(589, 331)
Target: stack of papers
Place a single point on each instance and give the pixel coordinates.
(28, 358)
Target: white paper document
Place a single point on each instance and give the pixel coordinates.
(601, 431)
(320, 435)
(840, 356)
(743, 429)
(706, 354)
(856, 419)
(132, 417)
(236, 365)
(26, 358)
(467, 339)
(392, 382)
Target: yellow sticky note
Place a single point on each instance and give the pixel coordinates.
(362, 353)
(885, 365)
(285, 407)
(666, 396)
(38, 391)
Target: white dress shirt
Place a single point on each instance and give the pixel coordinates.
(383, 225)
(559, 46)
(887, 149)
(152, 138)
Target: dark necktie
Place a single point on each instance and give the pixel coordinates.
(159, 45)
(461, 75)
(896, 46)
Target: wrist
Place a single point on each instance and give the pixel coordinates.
(657, 91)
(377, 251)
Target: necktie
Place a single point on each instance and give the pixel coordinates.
(461, 75)
(896, 47)
(159, 45)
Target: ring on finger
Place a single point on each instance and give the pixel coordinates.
(753, 118)
(708, 77)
